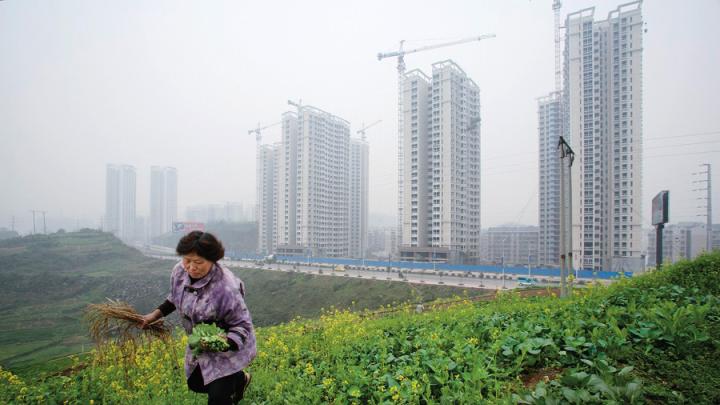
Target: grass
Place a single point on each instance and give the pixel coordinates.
(653, 339)
(49, 280)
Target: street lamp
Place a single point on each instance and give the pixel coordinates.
(503, 260)
(529, 265)
(503, 269)
(433, 257)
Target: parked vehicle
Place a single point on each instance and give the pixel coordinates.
(527, 281)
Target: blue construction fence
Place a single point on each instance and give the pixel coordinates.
(535, 271)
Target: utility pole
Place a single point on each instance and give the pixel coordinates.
(660, 217)
(529, 266)
(708, 203)
(44, 223)
(567, 156)
(33, 214)
(503, 269)
(12, 223)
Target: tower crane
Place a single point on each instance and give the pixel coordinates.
(259, 129)
(400, 53)
(556, 6)
(362, 130)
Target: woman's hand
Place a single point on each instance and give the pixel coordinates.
(150, 318)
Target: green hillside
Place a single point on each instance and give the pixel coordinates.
(653, 339)
(49, 279)
(236, 236)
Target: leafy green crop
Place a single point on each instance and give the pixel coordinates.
(640, 340)
(207, 337)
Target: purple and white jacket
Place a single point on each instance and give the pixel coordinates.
(216, 298)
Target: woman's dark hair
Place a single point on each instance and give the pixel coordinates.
(204, 244)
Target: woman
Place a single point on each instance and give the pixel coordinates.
(204, 292)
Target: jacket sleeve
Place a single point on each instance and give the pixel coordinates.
(239, 323)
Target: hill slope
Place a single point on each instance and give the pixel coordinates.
(654, 339)
(49, 279)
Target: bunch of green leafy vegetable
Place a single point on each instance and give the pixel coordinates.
(207, 337)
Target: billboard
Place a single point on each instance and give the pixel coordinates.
(660, 208)
(187, 227)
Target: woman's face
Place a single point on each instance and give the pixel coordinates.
(196, 266)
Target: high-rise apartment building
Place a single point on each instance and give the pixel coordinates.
(514, 245)
(603, 97)
(287, 182)
(321, 183)
(382, 241)
(441, 169)
(685, 240)
(228, 212)
(549, 131)
(358, 198)
(267, 156)
(120, 201)
(319, 188)
(163, 199)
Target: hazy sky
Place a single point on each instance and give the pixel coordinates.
(180, 83)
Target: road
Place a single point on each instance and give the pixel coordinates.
(486, 281)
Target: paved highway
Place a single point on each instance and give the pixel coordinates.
(488, 281)
(457, 279)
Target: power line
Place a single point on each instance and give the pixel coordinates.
(517, 170)
(683, 154)
(507, 156)
(682, 136)
(683, 144)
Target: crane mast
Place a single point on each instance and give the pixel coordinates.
(364, 127)
(257, 131)
(556, 10)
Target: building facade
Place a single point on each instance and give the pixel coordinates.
(228, 212)
(382, 242)
(266, 195)
(513, 245)
(686, 240)
(287, 182)
(441, 169)
(603, 96)
(322, 222)
(120, 201)
(163, 200)
(358, 198)
(549, 130)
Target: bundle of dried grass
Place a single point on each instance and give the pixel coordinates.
(118, 321)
